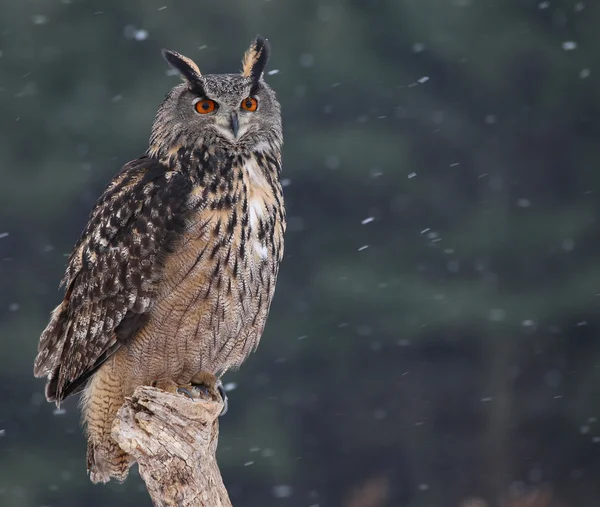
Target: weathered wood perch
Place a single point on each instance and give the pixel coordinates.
(174, 440)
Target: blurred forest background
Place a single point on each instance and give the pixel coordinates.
(433, 340)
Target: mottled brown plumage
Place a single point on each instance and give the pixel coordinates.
(174, 274)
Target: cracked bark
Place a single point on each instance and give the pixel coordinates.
(174, 440)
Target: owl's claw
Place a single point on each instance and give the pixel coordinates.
(204, 391)
(223, 394)
(186, 392)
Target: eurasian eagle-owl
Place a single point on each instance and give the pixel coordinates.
(174, 274)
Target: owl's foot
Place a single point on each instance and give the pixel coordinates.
(167, 385)
(220, 389)
(202, 385)
(206, 385)
(202, 391)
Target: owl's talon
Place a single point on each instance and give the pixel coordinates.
(204, 391)
(221, 390)
(186, 392)
(201, 390)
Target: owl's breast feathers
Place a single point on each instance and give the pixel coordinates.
(220, 279)
(224, 211)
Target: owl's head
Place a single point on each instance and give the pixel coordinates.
(237, 112)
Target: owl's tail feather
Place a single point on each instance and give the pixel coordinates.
(102, 399)
(107, 461)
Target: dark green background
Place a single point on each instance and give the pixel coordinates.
(457, 356)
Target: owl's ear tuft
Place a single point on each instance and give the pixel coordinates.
(185, 66)
(255, 59)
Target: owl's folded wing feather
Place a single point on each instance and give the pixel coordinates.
(112, 274)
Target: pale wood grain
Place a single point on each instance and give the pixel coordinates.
(174, 440)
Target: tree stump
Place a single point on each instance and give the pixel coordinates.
(174, 439)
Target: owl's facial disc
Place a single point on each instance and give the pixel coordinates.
(232, 122)
(227, 124)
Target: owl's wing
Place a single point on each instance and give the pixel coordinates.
(112, 274)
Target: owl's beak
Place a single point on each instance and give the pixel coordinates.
(235, 124)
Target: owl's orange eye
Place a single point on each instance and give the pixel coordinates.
(204, 106)
(250, 104)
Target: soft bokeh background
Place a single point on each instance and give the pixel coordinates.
(434, 335)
